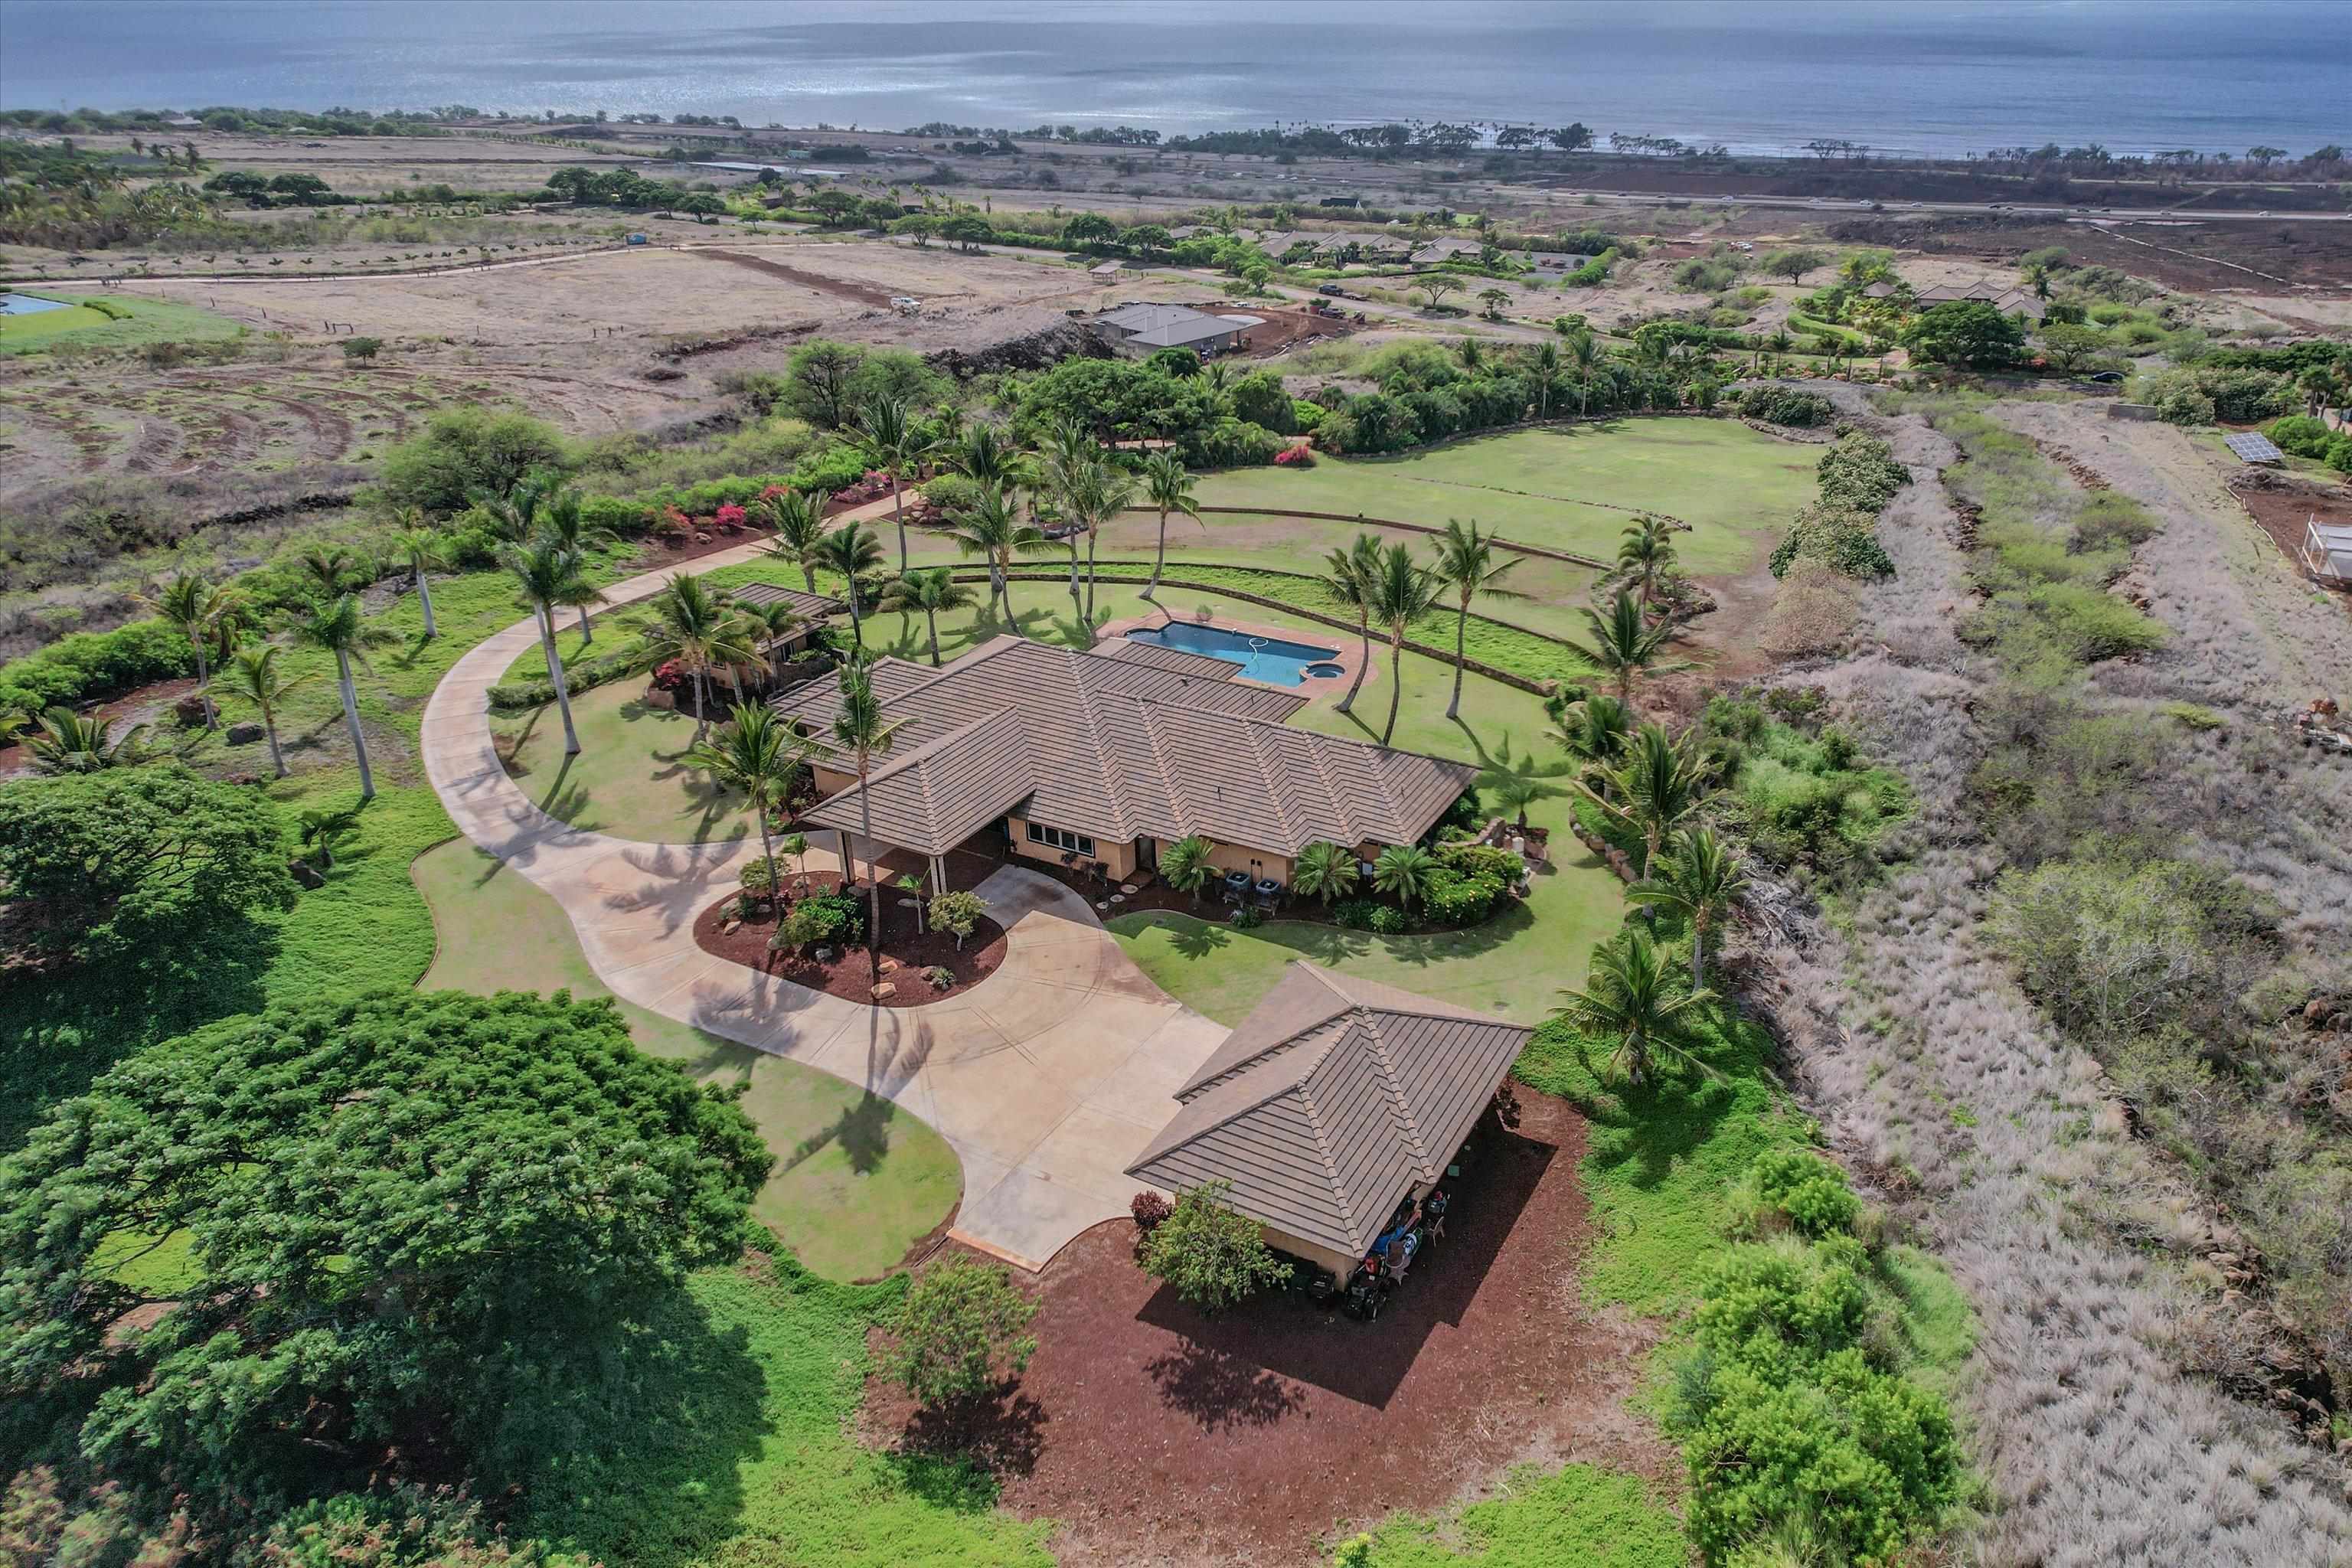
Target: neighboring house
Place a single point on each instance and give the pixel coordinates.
(814, 609)
(1333, 1103)
(1104, 759)
(1107, 272)
(2327, 551)
(1143, 328)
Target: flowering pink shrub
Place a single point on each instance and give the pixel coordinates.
(1293, 458)
(729, 518)
(671, 675)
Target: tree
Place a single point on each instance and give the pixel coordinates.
(331, 566)
(757, 757)
(563, 522)
(929, 590)
(1435, 287)
(1624, 643)
(2071, 347)
(692, 624)
(858, 729)
(1089, 492)
(1168, 485)
(1594, 731)
(1796, 261)
(340, 629)
(1629, 996)
(991, 530)
(464, 451)
(1471, 563)
(322, 830)
(1186, 866)
(1213, 1253)
(1494, 299)
(401, 1212)
(1651, 789)
(1967, 333)
(363, 351)
(195, 608)
(2263, 157)
(1088, 232)
(64, 742)
(253, 675)
(111, 860)
(853, 552)
(818, 375)
(1325, 871)
(1348, 577)
(1703, 878)
(894, 444)
(958, 914)
(957, 1331)
(1400, 591)
(798, 517)
(1401, 871)
(550, 575)
(1646, 551)
(421, 549)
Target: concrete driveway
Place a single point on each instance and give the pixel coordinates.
(1046, 1079)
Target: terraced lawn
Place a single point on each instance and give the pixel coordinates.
(858, 1181)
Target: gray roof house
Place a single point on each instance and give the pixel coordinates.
(1146, 327)
(1333, 1101)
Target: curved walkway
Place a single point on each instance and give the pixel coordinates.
(1046, 1079)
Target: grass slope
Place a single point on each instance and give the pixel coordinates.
(631, 777)
(1581, 1515)
(151, 321)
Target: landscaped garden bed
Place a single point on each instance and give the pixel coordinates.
(917, 960)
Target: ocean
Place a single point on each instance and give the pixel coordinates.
(1947, 77)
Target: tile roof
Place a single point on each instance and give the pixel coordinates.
(1330, 1101)
(1120, 746)
(1173, 659)
(808, 606)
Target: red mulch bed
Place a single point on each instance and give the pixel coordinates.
(1160, 1437)
(851, 976)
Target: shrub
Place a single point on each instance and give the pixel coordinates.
(819, 919)
(1782, 1307)
(1210, 1253)
(1246, 918)
(1788, 406)
(1859, 471)
(1804, 1189)
(1386, 920)
(2113, 947)
(958, 914)
(2302, 435)
(1148, 1209)
(758, 877)
(1451, 898)
(1483, 860)
(1355, 914)
(1844, 539)
(362, 350)
(2339, 453)
(957, 1331)
(92, 666)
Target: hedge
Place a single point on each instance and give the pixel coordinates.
(92, 666)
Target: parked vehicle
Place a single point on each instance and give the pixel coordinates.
(1333, 290)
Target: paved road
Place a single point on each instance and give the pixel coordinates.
(1046, 1079)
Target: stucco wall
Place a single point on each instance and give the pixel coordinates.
(1117, 854)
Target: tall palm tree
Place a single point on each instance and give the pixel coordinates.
(693, 624)
(550, 576)
(1169, 486)
(858, 729)
(1471, 563)
(1092, 493)
(1585, 353)
(63, 741)
(854, 552)
(756, 756)
(513, 513)
(1628, 995)
(1651, 790)
(253, 675)
(1624, 643)
(991, 530)
(421, 549)
(983, 455)
(798, 517)
(1646, 551)
(195, 609)
(563, 523)
(1325, 871)
(1401, 592)
(1701, 878)
(929, 590)
(338, 627)
(1543, 366)
(894, 444)
(330, 566)
(1348, 577)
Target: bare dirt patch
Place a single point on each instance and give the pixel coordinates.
(2283, 509)
(1159, 1436)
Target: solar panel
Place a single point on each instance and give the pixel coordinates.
(2255, 448)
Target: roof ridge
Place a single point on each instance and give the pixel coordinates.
(1346, 1202)
(1279, 724)
(1090, 708)
(1179, 811)
(1339, 798)
(1393, 1084)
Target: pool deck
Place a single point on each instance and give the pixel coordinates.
(1314, 687)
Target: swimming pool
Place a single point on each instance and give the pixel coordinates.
(26, 305)
(1270, 659)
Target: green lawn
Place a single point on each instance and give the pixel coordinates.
(1730, 483)
(151, 321)
(858, 1181)
(631, 777)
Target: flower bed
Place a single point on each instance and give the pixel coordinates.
(727, 931)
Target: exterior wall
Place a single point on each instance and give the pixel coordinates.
(1117, 854)
(829, 780)
(1237, 858)
(1340, 1263)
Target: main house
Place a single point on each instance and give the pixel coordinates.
(1103, 759)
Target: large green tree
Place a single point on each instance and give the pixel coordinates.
(465, 450)
(109, 859)
(389, 1220)
(1966, 333)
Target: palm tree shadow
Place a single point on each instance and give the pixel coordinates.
(862, 1130)
(1200, 938)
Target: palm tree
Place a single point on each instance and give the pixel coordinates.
(63, 741)
(1543, 365)
(1624, 643)
(252, 674)
(1169, 486)
(1703, 878)
(1584, 351)
(514, 516)
(1653, 789)
(695, 626)
(1400, 592)
(1647, 552)
(1347, 578)
(195, 609)
(929, 590)
(756, 756)
(1594, 729)
(798, 517)
(1325, 871)
(1472, 564)
(322, 830)
(1186, 867)
(1097, 492)
(1471, 353)
(853, 552)
(421, 549)
(339, 628)
(330, 566)
(983, 455)
(894, 445)
(549, 575)
(1628, 995)
(991, 530)
(563, 523)
(858, 729)
(1401, 871)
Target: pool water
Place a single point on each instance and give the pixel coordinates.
(26, 305)
(1270, 659)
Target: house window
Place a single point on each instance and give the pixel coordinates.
(1060, 839)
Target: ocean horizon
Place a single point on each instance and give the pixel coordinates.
(1936, 78)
